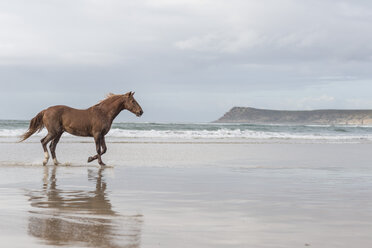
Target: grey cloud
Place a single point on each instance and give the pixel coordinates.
(187, 60)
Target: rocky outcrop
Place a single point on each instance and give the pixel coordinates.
(325, 116)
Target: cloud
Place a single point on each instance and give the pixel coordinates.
(213, 49)
(220, 43)
(313, 101)
(114, 31)
(359, 103)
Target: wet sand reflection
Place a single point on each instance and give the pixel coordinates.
(81, 217)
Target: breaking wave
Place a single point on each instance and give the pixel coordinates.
(222, 133)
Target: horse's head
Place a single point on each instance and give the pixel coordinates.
(132, 105)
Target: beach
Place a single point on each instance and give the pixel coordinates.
(187, 193)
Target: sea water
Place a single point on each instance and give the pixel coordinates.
(12, 129)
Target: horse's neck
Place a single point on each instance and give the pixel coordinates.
(112, 109)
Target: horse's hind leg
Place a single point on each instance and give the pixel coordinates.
(44, 141)
(53, 146)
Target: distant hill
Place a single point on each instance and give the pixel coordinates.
(325, 116)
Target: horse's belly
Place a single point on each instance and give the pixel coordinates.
(78, 131)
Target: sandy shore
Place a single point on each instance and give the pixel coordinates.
(164, 194)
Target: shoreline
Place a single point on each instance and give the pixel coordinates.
(134, 140)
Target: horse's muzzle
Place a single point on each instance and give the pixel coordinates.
(139, 113)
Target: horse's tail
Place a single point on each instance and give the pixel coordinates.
(36, 124)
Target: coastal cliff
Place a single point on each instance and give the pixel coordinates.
(323, 117)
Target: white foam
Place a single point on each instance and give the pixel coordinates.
(227, 133)
(222, 133)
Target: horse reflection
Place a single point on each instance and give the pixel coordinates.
(66, 217)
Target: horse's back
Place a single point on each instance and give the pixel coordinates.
(59, 112)
(63, 110)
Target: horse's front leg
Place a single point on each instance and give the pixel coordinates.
(100, 142)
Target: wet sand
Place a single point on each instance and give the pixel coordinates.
(185, 194)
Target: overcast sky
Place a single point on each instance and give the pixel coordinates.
(187, 60)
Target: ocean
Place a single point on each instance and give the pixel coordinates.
(12, 129)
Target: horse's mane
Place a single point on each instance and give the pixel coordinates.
(108, 96)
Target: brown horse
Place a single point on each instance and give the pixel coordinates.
(92, 122)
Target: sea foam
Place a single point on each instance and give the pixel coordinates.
(215, 131)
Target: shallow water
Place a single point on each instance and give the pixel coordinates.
(187, 195)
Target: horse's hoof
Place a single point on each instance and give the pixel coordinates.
(102, 164)
(90, 159)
